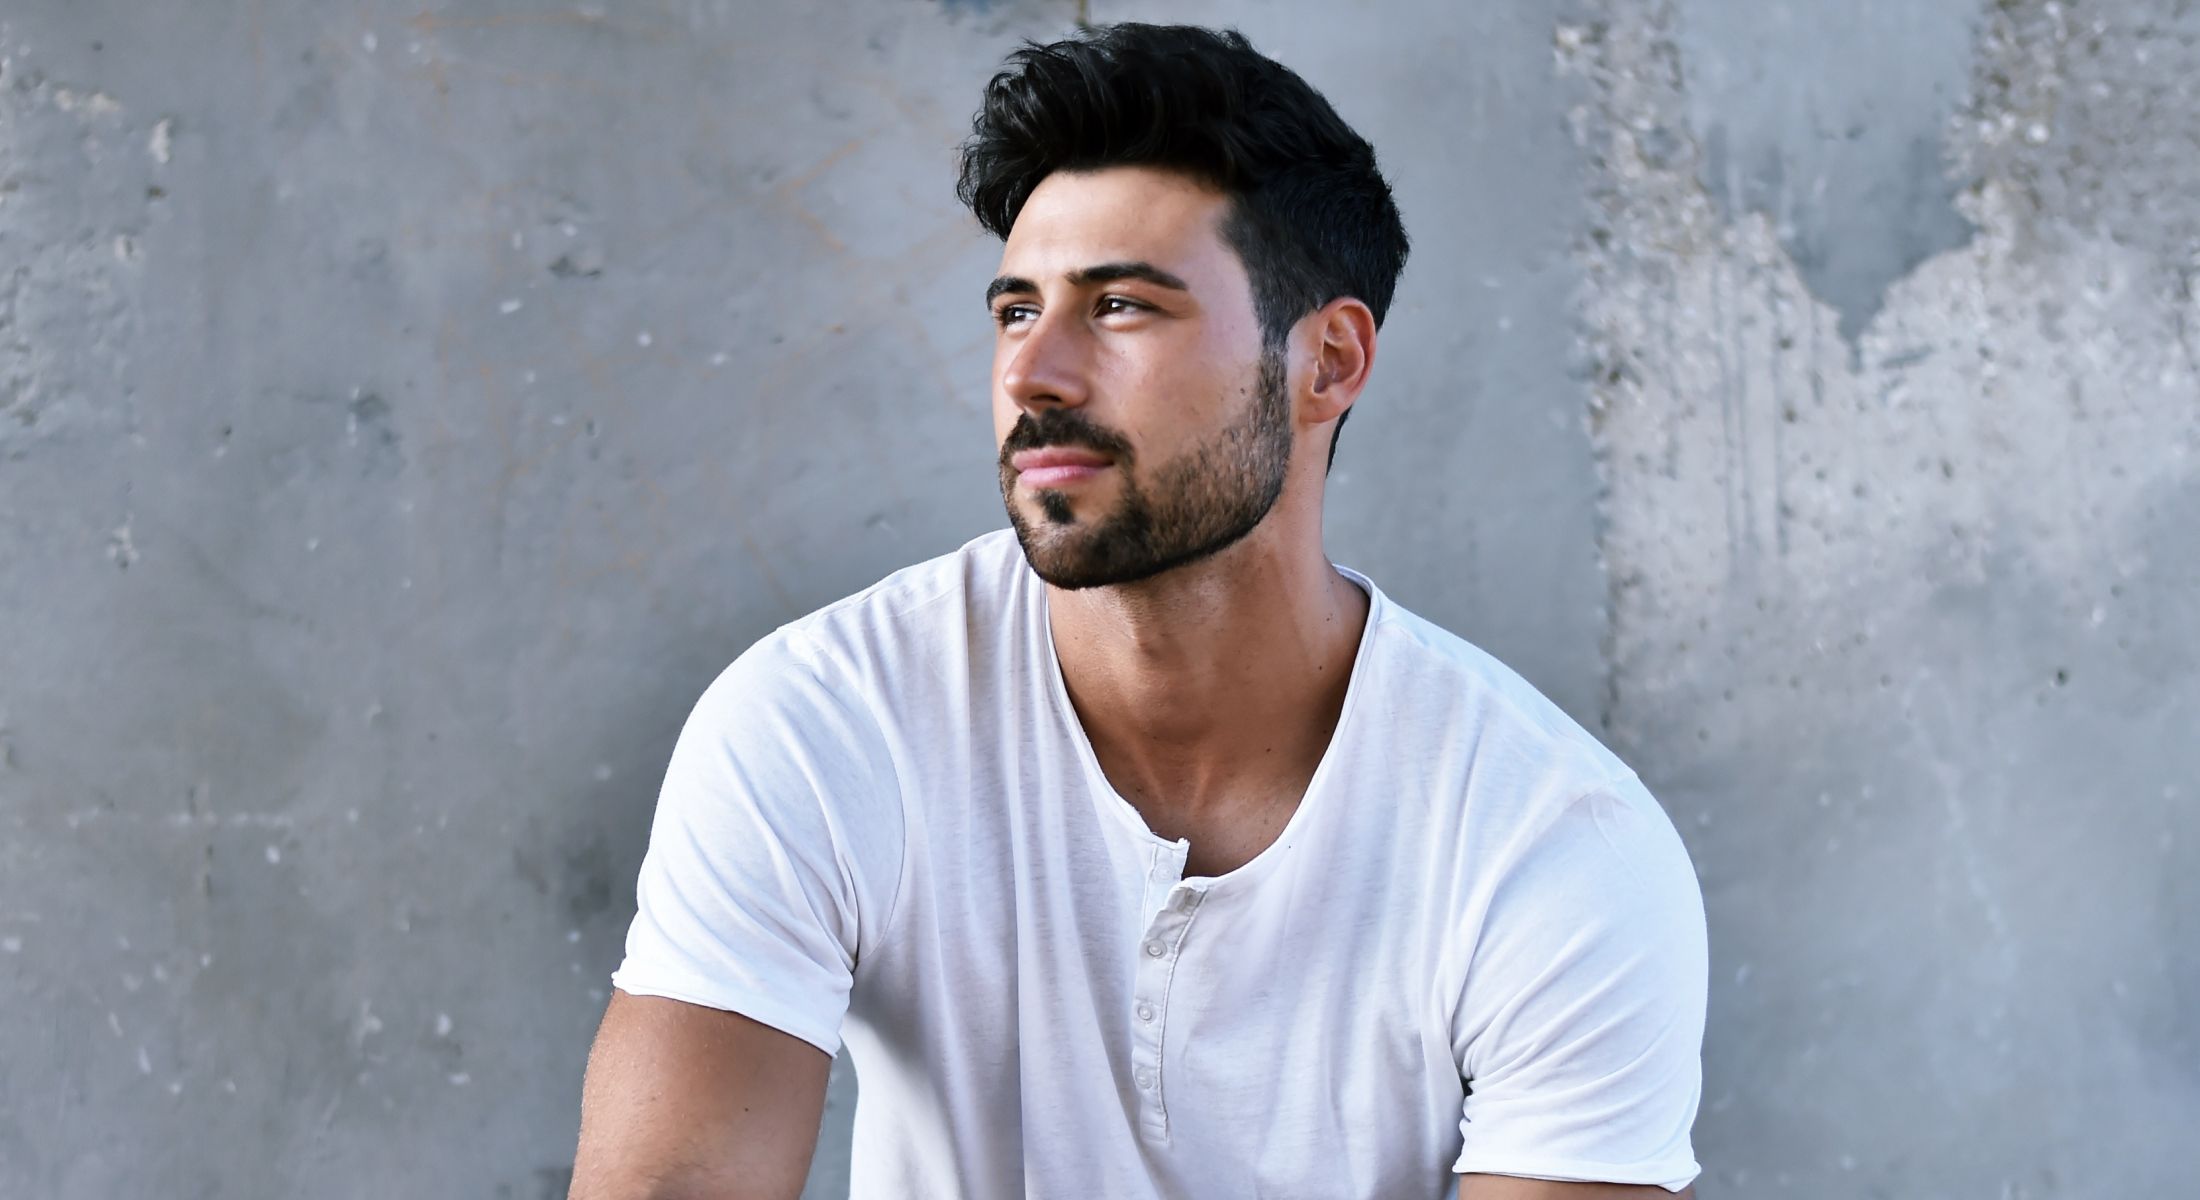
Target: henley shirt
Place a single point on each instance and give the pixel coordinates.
(1476, 946)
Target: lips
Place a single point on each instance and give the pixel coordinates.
(1056, 456)
(1055, 466)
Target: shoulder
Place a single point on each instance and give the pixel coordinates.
(1526, 810)
(891, 633)
(1473, 716)
(908, 614)
(877, 672)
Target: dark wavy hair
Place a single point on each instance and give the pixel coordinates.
(1311, 217)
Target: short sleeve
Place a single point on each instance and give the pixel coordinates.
(1580, 1028)
(775, 852)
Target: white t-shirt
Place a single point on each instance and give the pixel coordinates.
(1477, 945)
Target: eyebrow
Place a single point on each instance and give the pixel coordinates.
(1087, 276)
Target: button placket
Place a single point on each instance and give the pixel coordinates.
(1158, 955)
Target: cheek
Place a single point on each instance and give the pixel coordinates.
(1184, 398)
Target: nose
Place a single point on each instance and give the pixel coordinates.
(1045, 365)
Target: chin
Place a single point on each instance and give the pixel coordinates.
(1113, 552)
(1062, 549)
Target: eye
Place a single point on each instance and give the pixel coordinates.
(1013, 314)
(1111, 305)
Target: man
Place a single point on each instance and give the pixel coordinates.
(1145, 852)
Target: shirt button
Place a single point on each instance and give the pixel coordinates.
(1144, 1078)
(1145, 1012)
(1155, 949)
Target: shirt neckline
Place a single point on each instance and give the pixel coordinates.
(1117, 808)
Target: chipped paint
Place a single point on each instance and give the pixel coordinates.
(1919, 560)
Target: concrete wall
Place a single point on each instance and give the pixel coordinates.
(404, 413)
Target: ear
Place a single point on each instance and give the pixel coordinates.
(1341, 337)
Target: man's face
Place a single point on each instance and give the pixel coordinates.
(1141, 425)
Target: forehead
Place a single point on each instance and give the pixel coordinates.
(1119, 214)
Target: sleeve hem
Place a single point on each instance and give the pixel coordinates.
(782, 1017)
(1671, 1174)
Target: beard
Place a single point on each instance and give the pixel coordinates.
(1194, 506)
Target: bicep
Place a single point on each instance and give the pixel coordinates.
(683, 1100)
(1507, 1187)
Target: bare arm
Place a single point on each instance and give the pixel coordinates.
(1506, 1187)
(686, 1102)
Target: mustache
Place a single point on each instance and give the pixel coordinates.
(1063, 427)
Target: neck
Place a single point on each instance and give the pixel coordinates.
(1214, 676)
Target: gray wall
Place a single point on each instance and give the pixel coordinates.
(403, 415)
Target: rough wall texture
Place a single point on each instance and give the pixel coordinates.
(404, 413)
(402, 417)
(1900, 530)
